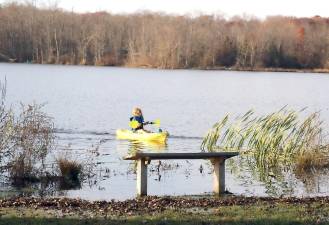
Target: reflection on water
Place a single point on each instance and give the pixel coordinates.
(281, 180)
(136, 146)
(314, 181)
(129, 147)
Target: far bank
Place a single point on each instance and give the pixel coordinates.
(238, 69)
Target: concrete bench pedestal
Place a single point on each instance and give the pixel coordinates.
(141, 177)
(217, 159)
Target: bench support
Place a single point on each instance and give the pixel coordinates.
(219, 176)
(217, 159)
(141, 177)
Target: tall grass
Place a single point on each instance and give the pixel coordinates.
(69, 169)
(70, 172)
(281, 136)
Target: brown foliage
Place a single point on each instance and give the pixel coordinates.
(25, 139)
(69, 169)
(152, 204)
(160, 40)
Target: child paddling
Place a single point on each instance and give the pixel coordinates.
(137, 116)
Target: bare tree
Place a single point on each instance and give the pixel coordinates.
(51, 35)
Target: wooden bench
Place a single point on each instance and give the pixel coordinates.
(217, 159)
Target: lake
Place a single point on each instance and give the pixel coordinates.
(88, 104)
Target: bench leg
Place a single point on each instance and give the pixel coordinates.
(219, 176)
(141, 178)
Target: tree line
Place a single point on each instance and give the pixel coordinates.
(55, 36)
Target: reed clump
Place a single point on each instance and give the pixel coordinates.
(311, 160)
(279, 137)
(69, 169)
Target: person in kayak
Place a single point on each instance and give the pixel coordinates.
(137, 115)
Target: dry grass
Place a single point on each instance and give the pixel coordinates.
(69, 169)
(25, 138)
(310, 160)
(21, 171)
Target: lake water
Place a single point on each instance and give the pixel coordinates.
(89, 103)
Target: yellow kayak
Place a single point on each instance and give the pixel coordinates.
(141, 135)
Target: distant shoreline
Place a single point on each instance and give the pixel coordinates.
(274, 70)
(259, 69)
(152, 40)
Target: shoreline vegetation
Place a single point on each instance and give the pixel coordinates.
(163, 41)
(274, 70)
(166, 210)
(278, 138)
(260, 69)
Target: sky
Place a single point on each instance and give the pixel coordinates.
(228, 8)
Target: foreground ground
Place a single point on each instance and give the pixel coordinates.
(165, 210)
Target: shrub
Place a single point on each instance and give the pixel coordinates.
(6, 127)
(25, 140)
(20, 171)
(69, 169)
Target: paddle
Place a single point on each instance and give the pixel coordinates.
(157, 122)
(134, 124)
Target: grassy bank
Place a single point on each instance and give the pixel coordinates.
(153, 210)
